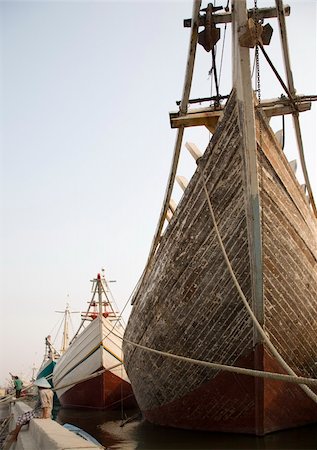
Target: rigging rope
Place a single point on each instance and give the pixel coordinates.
(222, 52)
(58, 331)
(283, 131)
(86, 315)
(121, 386)
(122, 311)
(223, 44)
(297, 130)
(213, 52)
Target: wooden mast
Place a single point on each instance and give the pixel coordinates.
(65, 341)
(100, 290)
(243, 85)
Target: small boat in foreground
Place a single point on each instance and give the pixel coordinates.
(223, 321)
(90, 374)
(83, 434)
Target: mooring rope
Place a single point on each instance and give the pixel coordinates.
(239, 370)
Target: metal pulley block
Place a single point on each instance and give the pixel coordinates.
(255, 33)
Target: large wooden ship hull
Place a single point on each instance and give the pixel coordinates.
(97, 348)
(188, 305)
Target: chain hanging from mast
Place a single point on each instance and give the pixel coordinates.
(257, 65)
(257, 56)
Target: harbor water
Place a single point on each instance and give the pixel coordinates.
(141, 435)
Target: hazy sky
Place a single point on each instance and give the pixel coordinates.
(86, 146)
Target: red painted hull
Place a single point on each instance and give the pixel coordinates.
(106, 391)
(239, 404)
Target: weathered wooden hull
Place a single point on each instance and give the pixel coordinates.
(188, 304)
(98, 347)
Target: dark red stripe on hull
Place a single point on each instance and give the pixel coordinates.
(285, 404)
(239, 404)
(106, 391)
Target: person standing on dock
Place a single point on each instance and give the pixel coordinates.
(17, 385)
(42, 410)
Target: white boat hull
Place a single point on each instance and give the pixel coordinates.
(96, 349)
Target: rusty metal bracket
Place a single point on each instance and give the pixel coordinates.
(211, 34)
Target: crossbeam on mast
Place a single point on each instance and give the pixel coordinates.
(262, 13)
(209, 116)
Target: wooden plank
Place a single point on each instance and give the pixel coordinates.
(193, 150)
(282, 110)
(169, 215)
(172, 205)
(182, 182)
(243, 84)
(209, 116)
(263, 13)
(207, 119)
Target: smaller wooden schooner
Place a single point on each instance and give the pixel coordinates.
(90, 374)
(49, 361)
(51, 354)
(223, 322)
(46, 370)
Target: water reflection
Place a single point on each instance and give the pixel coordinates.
(141, 435)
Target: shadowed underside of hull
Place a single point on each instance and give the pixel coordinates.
(107, 391)
(188, 305)
(228, 403)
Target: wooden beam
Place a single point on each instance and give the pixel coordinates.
(209, 117)
(182, 181)
(172, 205)
(282, 110)
(245, 100)
(169, 215)
(262, 13)
(193, 150)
